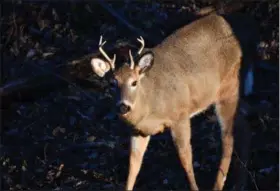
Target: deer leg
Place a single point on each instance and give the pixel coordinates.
(226, 110)
(137, 149)
(182, 138)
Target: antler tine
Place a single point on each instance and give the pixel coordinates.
(111, 61)
(142, 41)
(131, 60)
(100, 41)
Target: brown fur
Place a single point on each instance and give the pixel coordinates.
(195, 67)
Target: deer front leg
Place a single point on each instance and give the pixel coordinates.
(181, 134)
(226, 110)
(138, 147)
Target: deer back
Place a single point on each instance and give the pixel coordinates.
(190, 65)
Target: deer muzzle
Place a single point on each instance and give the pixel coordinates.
(123, 108)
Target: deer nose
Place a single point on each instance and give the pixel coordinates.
(123, 108)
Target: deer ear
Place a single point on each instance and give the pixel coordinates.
(145, 62)
(99, 66)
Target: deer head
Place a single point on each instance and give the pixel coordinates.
(127, 78)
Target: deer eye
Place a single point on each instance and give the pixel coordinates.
(134, 83)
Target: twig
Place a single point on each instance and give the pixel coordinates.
(8, 38)
(59, 171)
(45, 151)
(34, 122)
(263, 123)
(244, 166)
(16, 30)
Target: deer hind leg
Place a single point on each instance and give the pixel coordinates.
(137, 150)
(226, 111)
(181, 135)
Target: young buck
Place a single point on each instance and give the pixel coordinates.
(163, 87)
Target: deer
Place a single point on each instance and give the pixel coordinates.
(163, 87)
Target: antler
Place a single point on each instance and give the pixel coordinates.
(131, 60)
(111, 61)
(142, 41)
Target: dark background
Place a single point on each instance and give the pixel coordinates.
(57, 131)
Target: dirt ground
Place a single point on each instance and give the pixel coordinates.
(57, 130)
